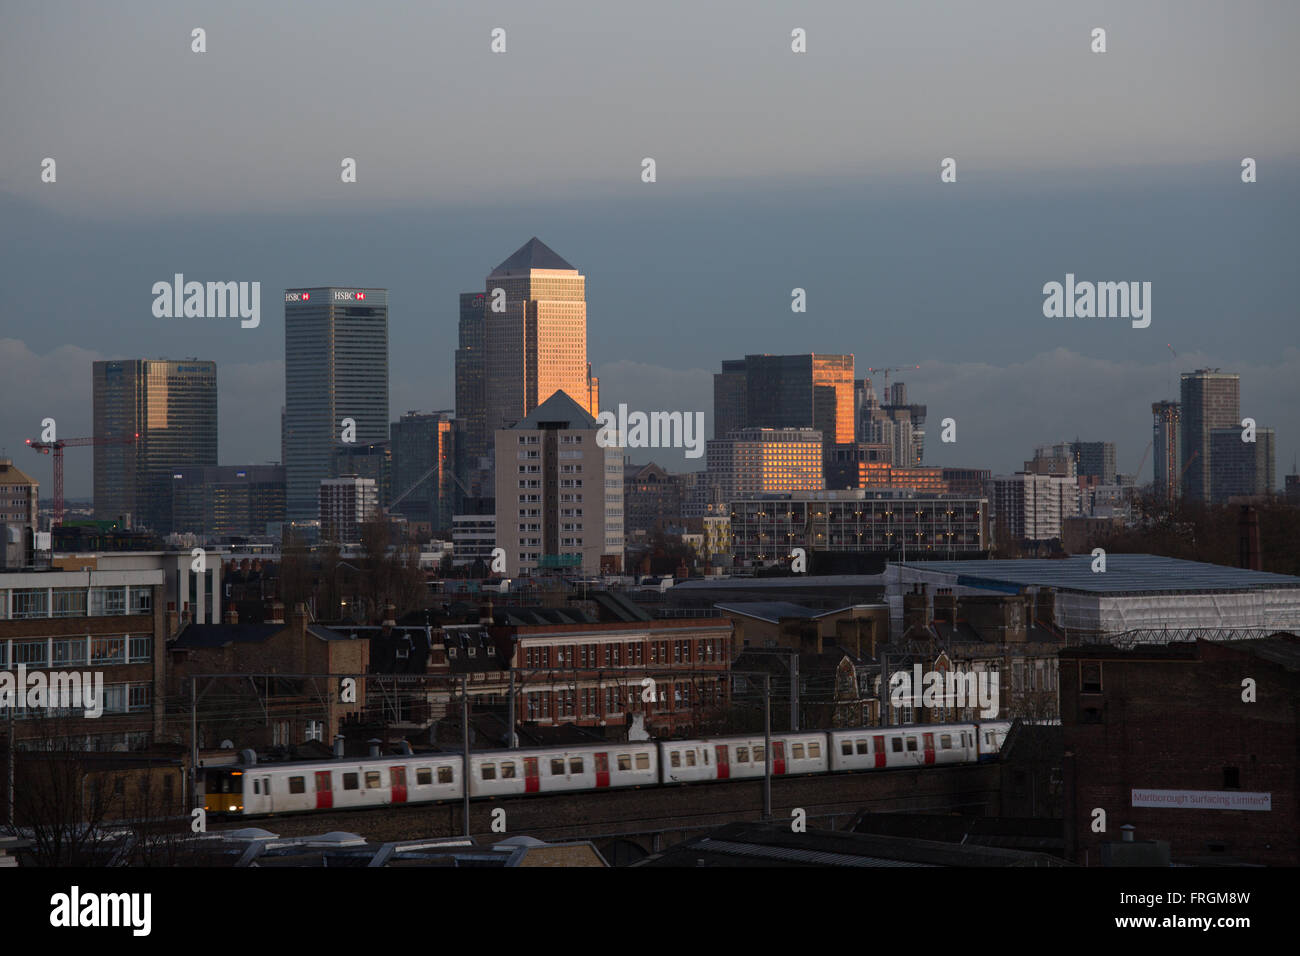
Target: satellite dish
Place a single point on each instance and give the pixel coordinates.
(227, 745)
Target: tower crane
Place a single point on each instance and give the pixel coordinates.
(892, 368)
(56, 449)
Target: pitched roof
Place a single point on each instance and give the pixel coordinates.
(533, 254)
(558, 410)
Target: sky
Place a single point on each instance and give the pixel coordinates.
(774, 171)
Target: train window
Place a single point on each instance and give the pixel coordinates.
(846, 748)
(297, 785)
(557, 767)
(864, 745)
(507, 770)
(372, 780)
(575, 765)
(742, 755)
(690, 758)
(350, 781)
(445, 775)
(257, 786)
(945, 741)
(488, 771)
(624, 761)
(675, 759)
(643, 761)
(423, 776)
(706, 756)
(911, 745)
(815, 749)
(758, 755)
(897, 744)
(796, 751)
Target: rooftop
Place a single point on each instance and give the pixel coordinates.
(1125, 573)
(533, 254)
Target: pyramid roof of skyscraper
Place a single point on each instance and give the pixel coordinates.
(533, 254)
(558, 411)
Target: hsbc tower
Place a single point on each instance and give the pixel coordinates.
(335, 368)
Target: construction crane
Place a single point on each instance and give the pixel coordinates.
(56, 448)
(1138, 474)
(892, 368)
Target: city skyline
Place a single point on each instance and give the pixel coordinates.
(899, 268)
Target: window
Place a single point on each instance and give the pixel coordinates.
(372, 780)
(945, 741)
(742, 755)
(1090, 678)
(643, 761)
(896, 744)
(624, 761)
(864, 746)
(488, 771)
(423, 776)
(846, 748)
(675, 759)
(557, 767)
(575, 765)
(814, 749)
(507, 770)
(69, 602)
(690, 758)
(297, 785)
(758, 755)
(911, 745)
(796, 751)
(351, 781)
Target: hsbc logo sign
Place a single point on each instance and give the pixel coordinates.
(297, 296)
(349, 296)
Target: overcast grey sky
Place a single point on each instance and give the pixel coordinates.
(775, 170)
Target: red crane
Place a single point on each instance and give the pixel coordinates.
(56, 447)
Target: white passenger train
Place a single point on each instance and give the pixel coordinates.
(254, 789)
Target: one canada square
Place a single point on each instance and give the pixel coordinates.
(335, 369)
(522, 340)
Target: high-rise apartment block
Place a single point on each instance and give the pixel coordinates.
(1210, 399)
(559, 494)
(335, 381)
(1032, 506)
(172, 407)
(345, 505)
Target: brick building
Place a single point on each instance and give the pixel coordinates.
(267, 711)
(1166, 739)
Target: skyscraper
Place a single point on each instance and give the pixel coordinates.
(729, 398)
(1210, 399)
(535, 335)
(336, 368)
(1095, 459)
(801, 391)
(1167, 447)
(172, 405)
(473, 440)
(424, 458)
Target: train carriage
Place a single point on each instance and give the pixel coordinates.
(511, 772)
